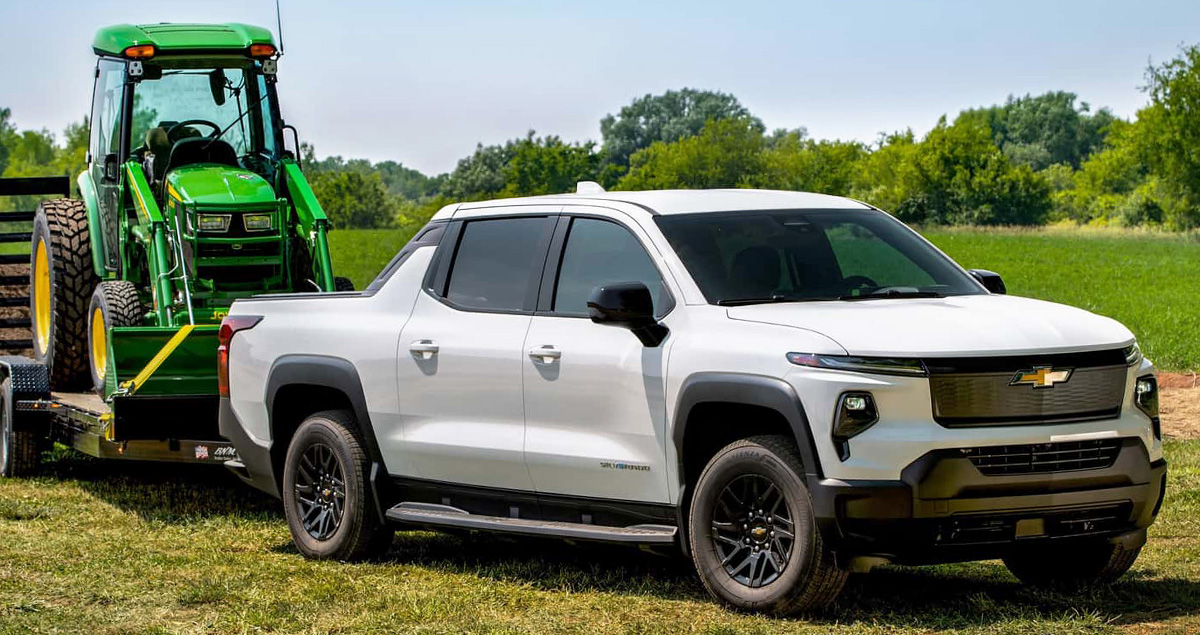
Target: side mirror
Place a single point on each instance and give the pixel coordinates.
(627, 305)
(111, 168)
(216, 85)
(990, 280)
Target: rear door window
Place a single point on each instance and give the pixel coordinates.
(497, 264)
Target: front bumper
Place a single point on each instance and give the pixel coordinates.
(944, 509)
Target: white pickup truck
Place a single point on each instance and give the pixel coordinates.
(786, 386)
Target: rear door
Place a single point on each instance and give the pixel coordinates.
(595, 411)
(460, 358)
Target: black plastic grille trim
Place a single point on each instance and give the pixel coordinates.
(1042, 458)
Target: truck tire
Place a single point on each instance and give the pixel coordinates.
(1071, 565)
(61, 280)
(19, 449)
(753, 532)
(341, 283)
(329, 508)
(114, 303)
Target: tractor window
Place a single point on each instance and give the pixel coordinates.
(106, 109)
(203, 102)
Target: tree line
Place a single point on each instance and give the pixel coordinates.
(1032, 160)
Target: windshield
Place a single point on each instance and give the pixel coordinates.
(779, 256)
(233, 99)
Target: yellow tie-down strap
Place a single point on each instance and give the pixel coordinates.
(131, 386)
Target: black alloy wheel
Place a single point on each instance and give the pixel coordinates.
(752, 530)
(320, 489)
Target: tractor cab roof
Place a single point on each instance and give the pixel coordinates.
(189, 39)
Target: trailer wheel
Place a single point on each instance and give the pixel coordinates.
(114, 303)
(329, 509)
(341, 283)
(19, 451)
(60, 287)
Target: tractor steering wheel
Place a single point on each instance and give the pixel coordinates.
(216, 130)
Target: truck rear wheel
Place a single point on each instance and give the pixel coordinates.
(1071, 565)
(114, 303)
(19, 449)
(61, 284)
(753, 533)
(329, 509)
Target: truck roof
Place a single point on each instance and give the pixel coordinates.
(178, 38)
(684, 201)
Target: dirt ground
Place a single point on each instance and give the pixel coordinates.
(1179, 405)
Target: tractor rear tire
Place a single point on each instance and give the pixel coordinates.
(19, 449)
(341, 283)
(115, 303)
(61, 280)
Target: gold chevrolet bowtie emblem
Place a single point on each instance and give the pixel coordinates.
(1041, 377)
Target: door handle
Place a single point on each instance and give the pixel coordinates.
(424, 349)
(545, 354)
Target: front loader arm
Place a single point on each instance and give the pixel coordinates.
(312, 221)
(149, 215)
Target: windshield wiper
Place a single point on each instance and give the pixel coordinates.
(892, 292)
(763, 300)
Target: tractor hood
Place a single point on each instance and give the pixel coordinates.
(211, 184)
(968, 325)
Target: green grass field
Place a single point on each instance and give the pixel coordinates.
(93, 547)
(1148, 281)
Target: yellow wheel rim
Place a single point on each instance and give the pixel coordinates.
(41, 297)
(99, 343)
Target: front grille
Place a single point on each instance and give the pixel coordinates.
(1042, 458)
(238, 250)
(980, 392)
(983, 529)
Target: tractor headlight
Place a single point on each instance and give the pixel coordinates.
(257, 222)
(213, 222)
(1145, 396)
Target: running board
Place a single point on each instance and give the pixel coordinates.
(446, 516)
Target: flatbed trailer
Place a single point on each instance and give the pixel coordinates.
(85, 422)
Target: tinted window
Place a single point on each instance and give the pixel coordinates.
(494, 263)
(597, 253)
(748, 257)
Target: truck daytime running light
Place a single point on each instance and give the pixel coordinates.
(876, 365)
(1145, 397)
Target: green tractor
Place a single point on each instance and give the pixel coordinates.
(189, 201)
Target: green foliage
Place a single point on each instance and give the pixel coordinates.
(547, 165)
(671, 116)
(726, 153)
(354, 199)
(1040, 131)
(792, 162)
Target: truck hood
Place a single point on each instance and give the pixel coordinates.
(969, 325)
(209, 183)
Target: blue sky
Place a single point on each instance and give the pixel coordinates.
(422, 82)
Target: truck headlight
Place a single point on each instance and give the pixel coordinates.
(256, 222)
(213, 222)
(856, 412)
(1145, 396)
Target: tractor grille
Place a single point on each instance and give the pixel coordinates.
(242, 250)
(1042, 458)
(980, 392)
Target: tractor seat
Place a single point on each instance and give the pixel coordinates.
(200, 150)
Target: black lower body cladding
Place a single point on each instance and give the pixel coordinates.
(943, 509)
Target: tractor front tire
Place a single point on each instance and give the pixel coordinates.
(115, 303)
(61, 280)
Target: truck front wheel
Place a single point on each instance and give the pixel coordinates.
(753, 532)
(1071, 565)
(329, 509)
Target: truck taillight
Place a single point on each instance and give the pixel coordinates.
(229, 327)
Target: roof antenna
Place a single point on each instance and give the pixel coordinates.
(279, 26)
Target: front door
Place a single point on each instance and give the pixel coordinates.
(108, 102)
(460, 357)
(594, 406)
